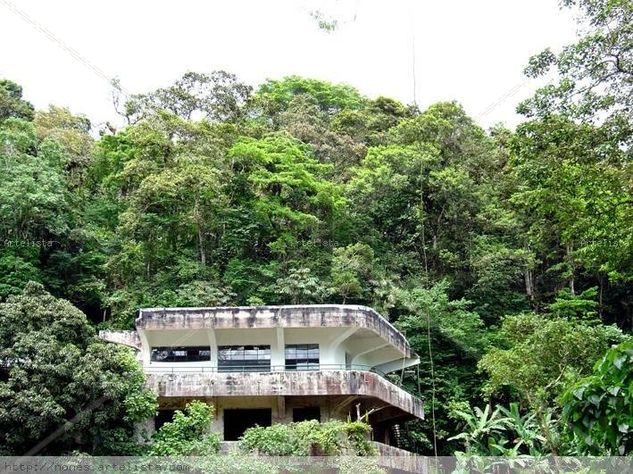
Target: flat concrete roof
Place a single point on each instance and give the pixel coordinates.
(290, 316)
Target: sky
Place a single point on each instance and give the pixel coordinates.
(64, 52)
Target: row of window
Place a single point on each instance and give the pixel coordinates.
(232, 358)
(180, 354)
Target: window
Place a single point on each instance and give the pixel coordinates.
(302, 357)
(243, 358)
(162, 417)
(237, 421)
(306, 413)
(180, 354)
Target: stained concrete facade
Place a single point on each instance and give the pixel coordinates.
(356, 347)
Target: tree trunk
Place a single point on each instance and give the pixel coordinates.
(203, 254)
(199, 226)
(572, 282)
(529, 284)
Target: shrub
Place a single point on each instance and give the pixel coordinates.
(599, 409)
(309, 438)
(187, 434)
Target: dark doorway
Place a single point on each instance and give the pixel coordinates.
(236, 421)
(306, 413)
(162, 417)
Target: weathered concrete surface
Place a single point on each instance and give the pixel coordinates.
(127, 338)
(389, 457)
(258, 384)
(401, 460)
(296, 316)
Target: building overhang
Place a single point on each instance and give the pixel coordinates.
(267, 317)
(203, 384)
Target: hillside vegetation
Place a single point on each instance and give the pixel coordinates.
(506, 256)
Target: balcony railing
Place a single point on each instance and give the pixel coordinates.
(169, 382)
(157, 369)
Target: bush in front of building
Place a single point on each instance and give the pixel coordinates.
(309, 438)
(188, 434)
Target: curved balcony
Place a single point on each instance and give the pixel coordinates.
(328, 380)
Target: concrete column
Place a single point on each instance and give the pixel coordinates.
(146, 350)
(213, 346)
(279, 412)
(278, 350)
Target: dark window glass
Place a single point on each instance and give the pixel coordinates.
(306, 413)
(243, 358)
(180, 354)
(302, 357)
(162, 417)
(237, 421)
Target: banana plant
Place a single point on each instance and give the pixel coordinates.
(525, 429)
(484, 431)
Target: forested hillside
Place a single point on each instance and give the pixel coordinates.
(506, 256)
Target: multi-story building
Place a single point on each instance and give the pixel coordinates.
(276, 364)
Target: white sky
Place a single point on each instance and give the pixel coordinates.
(472, 51)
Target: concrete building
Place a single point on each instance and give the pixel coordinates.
(269, 364)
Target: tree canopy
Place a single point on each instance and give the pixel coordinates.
(505, 255)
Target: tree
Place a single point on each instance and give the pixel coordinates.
(449, 339)
(596, 73)
(72, 132)
(11, 102)
(56, 374)
(304, 120)
(275, 95)
(352, 271)
(599, 408)
(545, 354)
(572, 194)
(33, 203)
(32, 198)
(300, 287)
(292, 200)
(217, 96)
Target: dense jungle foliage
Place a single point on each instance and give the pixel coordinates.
(506, 256)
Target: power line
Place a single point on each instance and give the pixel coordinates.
(510, 93)
(61, 44)
(413, 72)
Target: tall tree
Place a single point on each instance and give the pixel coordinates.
(63, 385)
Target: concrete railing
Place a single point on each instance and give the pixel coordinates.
(400, 459)
(388, 457)
(156, 368)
